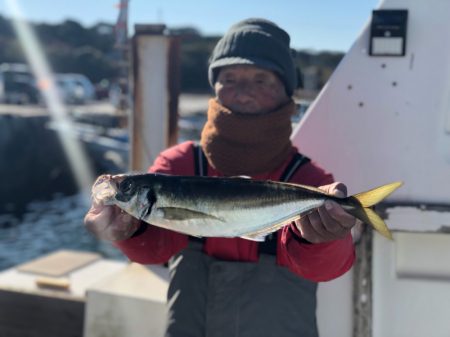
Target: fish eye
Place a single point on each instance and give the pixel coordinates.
(127, 187)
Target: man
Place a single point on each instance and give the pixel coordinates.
(232, 286)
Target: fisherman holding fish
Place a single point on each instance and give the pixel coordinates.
(230, 277)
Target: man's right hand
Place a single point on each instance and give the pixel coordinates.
(110, 222)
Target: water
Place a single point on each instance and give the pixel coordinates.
(47, 226)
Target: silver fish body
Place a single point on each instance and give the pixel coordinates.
(214, 207)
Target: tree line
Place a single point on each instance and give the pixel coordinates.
(71, 47)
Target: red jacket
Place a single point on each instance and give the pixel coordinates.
(316, 262)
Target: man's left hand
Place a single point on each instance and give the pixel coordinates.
(328, 222)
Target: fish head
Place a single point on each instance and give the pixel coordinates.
(128, 192)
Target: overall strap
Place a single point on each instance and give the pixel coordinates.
(200, 161)
(269, 246)
(200, 170)
(296, 161)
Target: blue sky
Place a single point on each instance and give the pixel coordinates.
(312, 24)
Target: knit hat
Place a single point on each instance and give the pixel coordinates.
(257, 42)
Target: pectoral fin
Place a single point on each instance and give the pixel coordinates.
(176, 213)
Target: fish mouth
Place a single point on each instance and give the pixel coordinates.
(106, 187)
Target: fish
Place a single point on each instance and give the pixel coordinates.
(227, 206)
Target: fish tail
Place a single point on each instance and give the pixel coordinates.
(370, 198)
(374, 196)
(368, 216)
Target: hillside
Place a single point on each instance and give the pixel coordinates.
(71, 47)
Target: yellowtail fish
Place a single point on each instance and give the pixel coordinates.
(227, 207)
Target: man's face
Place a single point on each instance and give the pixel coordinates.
(249, 89)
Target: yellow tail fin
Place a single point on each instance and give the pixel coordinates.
(373, 219)
(370, 198)
(374, 196)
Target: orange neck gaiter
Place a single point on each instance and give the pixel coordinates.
(247, 144)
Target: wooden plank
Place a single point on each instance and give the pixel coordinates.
(59, 264)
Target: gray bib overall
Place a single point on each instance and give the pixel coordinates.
(209, 297)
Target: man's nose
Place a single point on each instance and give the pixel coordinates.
(244, 92)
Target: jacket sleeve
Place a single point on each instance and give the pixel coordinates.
(151, 244)
(317, 262)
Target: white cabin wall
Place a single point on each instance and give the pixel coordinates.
(383, 119)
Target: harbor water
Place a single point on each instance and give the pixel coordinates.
(46, 226)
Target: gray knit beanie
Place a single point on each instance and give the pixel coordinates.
(258, 42)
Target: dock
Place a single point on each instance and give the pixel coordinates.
(80, 294)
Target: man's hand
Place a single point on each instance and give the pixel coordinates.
(330, 221)
(110, 223)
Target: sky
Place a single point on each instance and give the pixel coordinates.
(312, 24)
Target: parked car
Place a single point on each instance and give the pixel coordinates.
(75, 88)
(17, 84)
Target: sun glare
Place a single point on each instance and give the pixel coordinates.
(58, 111)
